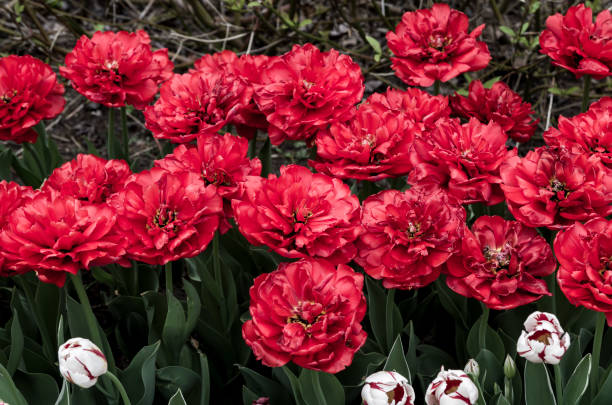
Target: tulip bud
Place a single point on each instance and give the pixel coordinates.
(451, 387)
(81, 362)
(509, 367)
(261, 401)
(387, 388)
(472, 367)
(543, 340)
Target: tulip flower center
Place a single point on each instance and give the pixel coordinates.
(396, 394)
(452, 386)
(7, 97)
(542, 336)
(111, 65)
(218, 177)
(438, 41)
(559, 188)
(499, 257)
(164, 217)
(413, 229)
(306, 314)
(310, 96)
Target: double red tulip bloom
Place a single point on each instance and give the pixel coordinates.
(54, 234)
(434, 44)
(585, 254)
(29, 93)
(499, 263)
(300, 214)
(555, 187)
(306, 89)
(577, 44)
(498, 104)
(166, 216)
(219, 160)
(377, 142)
(308, 312)
(196, 104)
(590, 132)
(246, 68)
(463, 159)
(409, 236)
(116, 69)
(89, 178)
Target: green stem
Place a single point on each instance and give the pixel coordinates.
(124, 134)
(44, 139)
(217, 260)
(585, 93)
(168, 271)
(436, 89)
(558, 383)
(120, 388)
(265, 158)
(508, 390)
(597, 340)
(90, 318)
(110, 134)
(253, 147)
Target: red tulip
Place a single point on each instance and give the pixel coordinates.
(408, 236)
(307, 312)
(300, 214)
(29, 93)
(499, 263)
(116, 69)
(434, 44)
(305, 90)
(577, 44)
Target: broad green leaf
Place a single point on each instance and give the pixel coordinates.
(39, 389)
(139, 377)
(376, 312)
(8, 390)
(494, 369)
(578, 382)
(173, 378)
(393, 319)
(320, 388)
(264, 386)
(604, 396)
(16, 344)
(396, 361)
(205, 382)
(295, 386)
(193, 308)
(538, 390)
(64, 395)
(362, 366)
(172, 334)
(248, 396)
(177, 399)
(492, 341)
(501, 400)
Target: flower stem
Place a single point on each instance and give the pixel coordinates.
(597, 340)
(110, 134)
(124, 134)
(558, 383)
(168, 271)
(120, 388)
(217, 259)
(436, 88)
(265, 158)
(90, 318)
(253, 147)
(586, 92)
